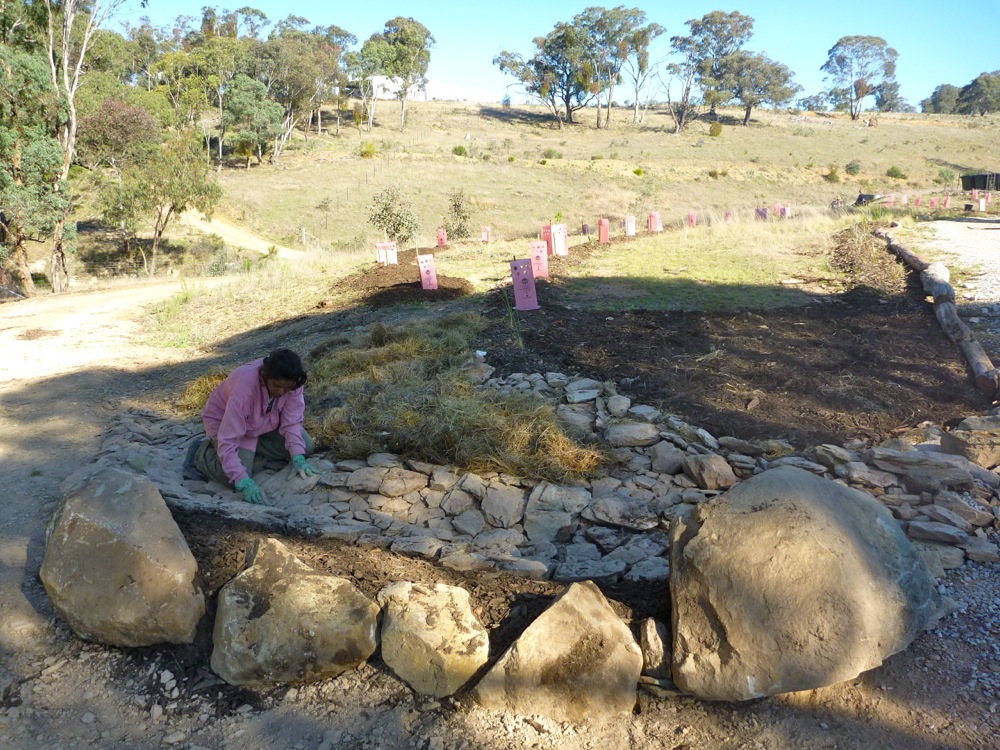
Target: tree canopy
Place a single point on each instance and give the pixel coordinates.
(858, 65)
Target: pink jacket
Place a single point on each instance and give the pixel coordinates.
(235, 416)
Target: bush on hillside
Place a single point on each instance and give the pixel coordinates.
(853, 167)
(391, 213)
(715, 129)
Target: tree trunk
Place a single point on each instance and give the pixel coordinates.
(58, 275)
(402, 110)
(746, 116)
(162, 219)
(20, 273)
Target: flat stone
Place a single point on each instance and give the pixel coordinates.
(980, 550)
(579, 397)
(631, 434)
(650, 570)
(504, 506)
(711, 472)
(622, 512)
(666, 458)
(644, 413)
(600, 571)
(933, 531)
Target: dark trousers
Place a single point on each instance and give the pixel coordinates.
(270, 445)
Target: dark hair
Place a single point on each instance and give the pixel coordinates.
(284, 364)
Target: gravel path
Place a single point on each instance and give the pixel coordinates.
(971, 243)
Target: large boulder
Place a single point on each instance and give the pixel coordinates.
(280, 621)
(116, 566)
(430, 636)
(790, 582)
(576, 661)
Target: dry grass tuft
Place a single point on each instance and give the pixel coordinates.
(193, 399)
(407, 391)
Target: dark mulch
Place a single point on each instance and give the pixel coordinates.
(382, 286)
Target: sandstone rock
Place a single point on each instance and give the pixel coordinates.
(666, 458)
(581, 396)
(745, 447)
(578, 418)
(965, 507)
(457, 501)
(980, 550)
(280, 621)
(622, 512)
(799, 463)
(398, 482)
(470, 522)
(654, 641)
(464, 561)
(980, 423)
(934, 531)
(504, 506)
(930, 469)
(790, 582)
(831, 456)
(604, 571)
(644, 413)
(631, 434)
(650, 570)
(858, 472)
(583, 384)
(618, 406)
(443, 479)
(710, 472)
(384, 460)
(521, 566)
(498, 541)
(430, 637)
(368, 479)
(473, 484)
(576, 661)
(945, 556)
(116, 566)
(425, 547)
(943, 515)
(981, 448)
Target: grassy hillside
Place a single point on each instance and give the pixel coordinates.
(520, 172)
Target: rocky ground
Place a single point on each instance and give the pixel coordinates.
(57, 691)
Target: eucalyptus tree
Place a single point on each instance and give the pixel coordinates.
(981, 96)
(409, 45)
(943, 100)
(32, 195)
(713, 37)
(559, 75)
(753, 79)
(638, 67)
(612, 37)
(858, 65)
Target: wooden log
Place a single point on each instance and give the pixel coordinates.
(936, 279)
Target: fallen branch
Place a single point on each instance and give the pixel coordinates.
(936, 278)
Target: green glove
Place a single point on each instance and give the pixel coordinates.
(302, 467)
(252, 492)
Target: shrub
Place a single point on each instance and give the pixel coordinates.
(551, 153)
(895, 173)
(368, 150)
(391, 213)
(457, 225)
(853, 167)
(459, 151)
(715, 129)
(833, 175)
(945, 177)
(512, 159)
(717, 173)
(543, 162)
(639, 171)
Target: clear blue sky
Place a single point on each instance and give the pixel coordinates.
(938, 42)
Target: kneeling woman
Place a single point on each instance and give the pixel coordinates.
(256, 411)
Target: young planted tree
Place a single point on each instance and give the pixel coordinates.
(857, 65)
(391, 213)
(754, 80)
(684, 71)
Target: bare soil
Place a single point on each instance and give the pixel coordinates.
(864, 364)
